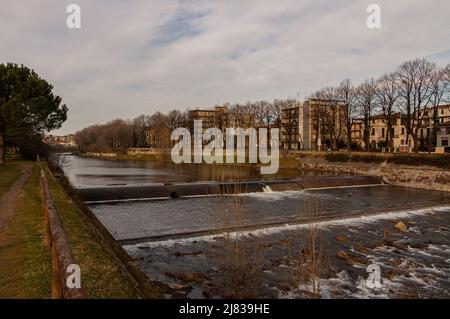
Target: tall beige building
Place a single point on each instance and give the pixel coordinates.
(378, 133)
(316, 124)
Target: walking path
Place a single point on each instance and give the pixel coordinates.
(9, 199)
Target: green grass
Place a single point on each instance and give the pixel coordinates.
(25, 260)
(100, 274)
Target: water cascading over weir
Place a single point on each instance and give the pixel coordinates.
(177, 190)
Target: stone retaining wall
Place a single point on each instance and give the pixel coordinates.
(423, 177)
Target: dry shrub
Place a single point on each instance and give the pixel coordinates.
(312, 260)
(240, 257)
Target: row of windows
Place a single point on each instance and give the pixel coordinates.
(383, 131)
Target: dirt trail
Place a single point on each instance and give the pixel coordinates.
(9, 199)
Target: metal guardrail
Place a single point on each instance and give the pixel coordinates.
(56, 238)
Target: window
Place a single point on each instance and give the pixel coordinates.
(382, 132)
(448, 130)
(444, 142)
(442, 111)
(403, 131)
(373, 131)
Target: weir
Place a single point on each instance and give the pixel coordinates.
(159, 190)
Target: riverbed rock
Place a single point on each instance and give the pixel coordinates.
(342, 255)
(341, 239)
(400, 226)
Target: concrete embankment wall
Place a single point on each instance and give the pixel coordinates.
(110, 193)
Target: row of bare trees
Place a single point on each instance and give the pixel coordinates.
(121, 134)
(155, 130)
(414, 90)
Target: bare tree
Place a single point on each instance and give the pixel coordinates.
(346, 91)
(415, 89)
(329, 115)
(387, 94)
(139, 127)
(440, 89)
(177, 119)
(366, 107)
(160, 128)
(277, 106)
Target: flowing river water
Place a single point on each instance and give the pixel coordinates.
(177, 241)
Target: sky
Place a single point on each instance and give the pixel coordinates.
(133, 57)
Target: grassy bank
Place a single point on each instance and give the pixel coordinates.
(441, 161)
(25, 260)
(101, 274)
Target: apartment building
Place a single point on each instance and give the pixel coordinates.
(442, 116)
(219, 117)
(400, 139)
(316, 124)
(290, 137)
(443, 137)
(64, 140)
(378, 133)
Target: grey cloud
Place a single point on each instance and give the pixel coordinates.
(133, 57)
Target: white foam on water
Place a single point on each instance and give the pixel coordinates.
(346, 221)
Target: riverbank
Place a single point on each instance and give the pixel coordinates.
(25, 260)
(416, 171)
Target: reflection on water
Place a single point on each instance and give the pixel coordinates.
(90, 172)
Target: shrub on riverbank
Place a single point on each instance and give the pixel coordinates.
(440, 161)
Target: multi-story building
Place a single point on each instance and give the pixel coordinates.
(443, 137)
(64, 140)
(442, 116)
(399, 136)
(219, 117)
(290, 137)
(378, 133)
(316, 124)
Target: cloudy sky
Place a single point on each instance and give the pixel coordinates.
(139, 56)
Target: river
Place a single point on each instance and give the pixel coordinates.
(177, 241)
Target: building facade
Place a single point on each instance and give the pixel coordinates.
(378, 134)
(290, 137)
(443, 137)
(64, 140)
(316, 124)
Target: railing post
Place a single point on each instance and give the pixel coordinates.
(56, 237)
